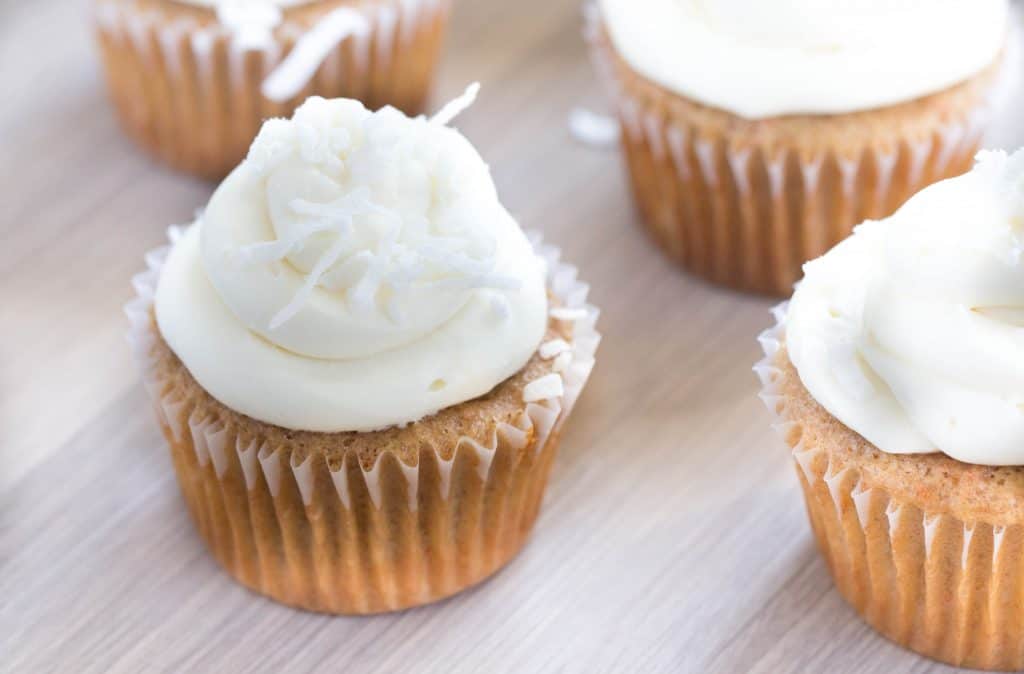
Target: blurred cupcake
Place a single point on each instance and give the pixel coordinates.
(361, 363)
(756, 134)
(192, 80)
(897, 371)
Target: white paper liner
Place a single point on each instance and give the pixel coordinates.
(770, 376)
(715, 251)
(541, 418)
(117, 20)
(931, 582)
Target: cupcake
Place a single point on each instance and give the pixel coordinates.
(192, 80)
(756, 134)
(361, 364)
(897, 373)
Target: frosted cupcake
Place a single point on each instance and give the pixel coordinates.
(898, 372)
(361, 364)
(192, 80)
(756, 134)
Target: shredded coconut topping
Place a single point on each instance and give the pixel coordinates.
(400, 218)
(548, 386)
(561, 363)
(552, 348)
(593, 129)
(363, 265)
(455, 107)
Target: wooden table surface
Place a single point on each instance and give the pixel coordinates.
(673, 537)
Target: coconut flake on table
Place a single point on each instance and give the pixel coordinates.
(593, 129)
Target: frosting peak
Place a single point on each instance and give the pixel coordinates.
(910, 331)
(371, 246)
(381, 228)
(761, 59)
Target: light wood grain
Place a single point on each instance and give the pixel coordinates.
(673, 538)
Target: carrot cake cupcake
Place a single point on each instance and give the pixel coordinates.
(756, 134)
(897, 371)
(192, 80)
(360, 362)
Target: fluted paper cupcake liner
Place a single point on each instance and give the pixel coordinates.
(747, 212)
(350, 538)
(944, 587)
(187, 90)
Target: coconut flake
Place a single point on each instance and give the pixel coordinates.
(455, 107)
(384, 245)
(312, 279)
(593, 129)
(561, 363)
(553, 348)
(548, 386)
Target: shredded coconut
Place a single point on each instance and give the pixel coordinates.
(404, 220)
(553, 348)
(548, 386)
(593, 129)
(561, 363)
(298, 68)
(454, 108)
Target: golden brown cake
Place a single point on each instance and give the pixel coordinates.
(928, 549)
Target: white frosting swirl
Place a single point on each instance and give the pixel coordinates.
(911, 332)
(760, 59)
(356, 271)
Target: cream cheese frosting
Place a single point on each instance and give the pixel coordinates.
(761, 59)
(356, 271)
(911, 332)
